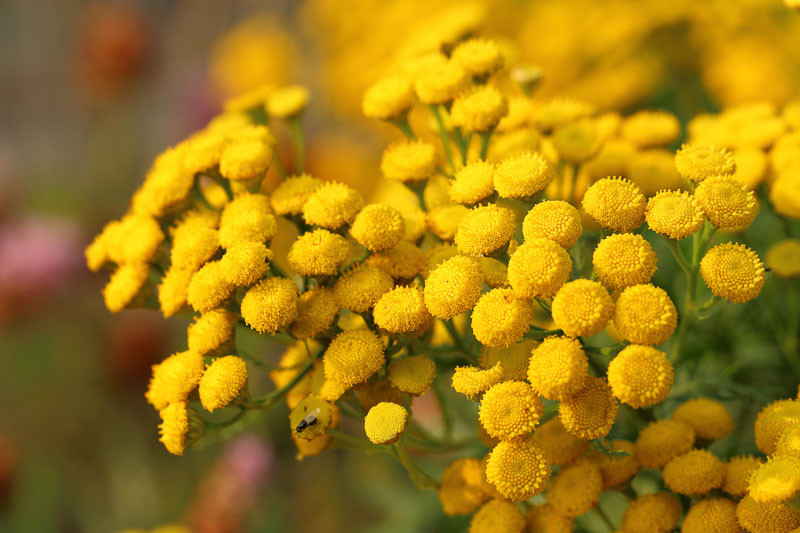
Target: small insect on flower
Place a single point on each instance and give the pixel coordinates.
(309, 420)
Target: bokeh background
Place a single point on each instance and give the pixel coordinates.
(92, 91)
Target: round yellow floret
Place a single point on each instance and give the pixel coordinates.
(210, 331)
(387, 98)
(582, 308)
(385, 422)
(293, 193)
(401, 310)
(485, 229)
(472, 381)
(698, 162)
(332, 205)
(496, 516)
(709, 418)
(270, 305)
(615, 204)
(222, 382)
(538, 268)
(517, 469)
(472, 183)
(575, 489)
(378, 227)
(651, 128)
(180, 427)
(711, 514)
(645, 314)
(124, 284)
(773, 420)
(558, 367)
(413, 374)
(522, 175)
(135, 239)
(617, 469)
(453, 287)
(501, 318)
(777, 480)
(559, 446)
(557, 111)
(766, 517)
(208, 289)
(316, 311)
(495, 273)
(510, 409)
(245, 158)
(287, 101)
(439, 81)
(513, 359)
(674, 214)
(248, 218)
(318, 253)
(652, 513)
(733, 271)
(555, 220)
(174, 378)
(577, 141)
(623, 260)
(443, 221)
(653, 171)
(194, 241)
(478, 56)
(353, 356)
(789, 442)
(361, 288)
(462, 487)
(726, 202)
(785, 195)
(662, 441)
(404, 261)
(244, 263)
(640, 376)
(783, 258)
(317, 414)
(479, 109)
(172, 291)
(547, 520)
(409, 160)
(590, 412)
(751, 167)
(737, 474)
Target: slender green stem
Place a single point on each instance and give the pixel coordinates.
(485, 137)
(277, 162)
(447, 419)
(437, 113)
(421, 479)
(603, 518)
(451, 329)
(402, 124)
(536, 334)
(355, 442)
(276, 270)
(265, 402)
(676, 252)
(298, 144)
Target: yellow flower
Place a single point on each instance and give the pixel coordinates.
(616, 470)
(698, 162)
(372, 393)
(174, 378)
(332, 205)
(401, 310)
(674, 214)
(360, 289)
(166, 185)
(640, 376)
(646, 129)
(495, 273)
(726, 202)
(624, 259)
(353, 356)
(461, 489)
(135, 239)
(560, 447)
(522, 175)
(520, 115)
(443, 221)
(510, 409)
(485, 229)
(409, 160)
(210, 331)
(172, 291)
(385, 422)
(246, 157)
(737, 474)
(413, 374)
(662, 441)
(654, 170)
(497, 516)
(645, 314)
(513, 359)
(546, 519)
(766, 517)
(709, 418)
(311, 418)
(222, 382)
(590, 412)
(270, 305)
(472, 183)
(500, 318)
(208, 288)
(582, 308)
(773, 420)
(125, 283)
(318, 253)
(558, 111)
(244, 263)
(577, 141)
(404, 261)
(293, 193)
(388, 98)
(287, 101)
(378, 227)
(439, 81)
(575, 489)
(472, 381)
(658, 512)
(517, 469)
(480, 57)
(558, 367)
(751, 167)
(711, 514)
(180, 428)
(733, 271)
(615, 204)
(248, 218)
(777, 480)
(783, 258)
(194, 241)
(453, 287)
(785, 195)
(316, 311)
(479, 109)
(539, 268)
(555, 220)
(789, 442)
(310, 448)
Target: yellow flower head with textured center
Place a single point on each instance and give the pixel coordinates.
(615, 204)
(645, 314)
(538, 268)
(248, 218)
(471, 381)
(767, 517)
(287, 101)
(332, 205)
(360, 289)
(208, 288)
(462, 487)
(577, 141)
(783, 258)
(711, 514)
(501, 318)
(194, 241)
(698, 162)
(654, 170)
(546, 519)
(210, 331)
(479, 109)
(646, 129)
(443, 221)
(172, 291)
(409, 160)
(125, 283)
(166, 185)
(316, 311)
(389, 97)
(694, 473)
(453, 287)
(311, 418)
(495, 273)
(590, 412)
(517, 469)
(558, 367)
(662, 441)
(556, 220)
(737, 474)
(413, 374)
(401, 310)
(520, 115)
(293, 193)
(222, 382)
(510, 409)
(733, 272)
(497, 515)
(270, 305)
(658, 512)
(318, 253)
(485, 229)
(619, 469)
(560, 447)
(640, 376)
(624, 259)
(522, 175)
(404, 261)
(785, 195)
(134, 239)
(513, 359)
(353, 356)
(378, 227)
(204, 149)
(436, 255)
(558, 111)
(440, 81)
(179, 428)
(582, 308)
(174, 378)
(244, 263)
(575, 489)
(245, 158)
(751, 167)
(472, 183)
(708, 417)
(385, 422)
(674, 214)
(480, 57)
(789, 442)
(726, 202)
(773, 420)
(777, 480)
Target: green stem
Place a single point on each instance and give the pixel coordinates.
(355, 442)
(676, 252)
(402, 124)
(451, 329)
(437, 113)
(298, 145)
(447, 420)
(265, 402)
(422, 480)
(485, 137)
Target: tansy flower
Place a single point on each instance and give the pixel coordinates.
(582, 308)
(520, 115)
(98, 251)
(640, 376)
(472, 381)
(310, 448)
(645, 314)
(485, 229)
(125, 283)
(332, 205)
(773, 420)
(777, 480)
(208, 288)
(438, 82)
(709, 418)
(222, 382)
(674, 214)
(353, 356)
(615, 204)
(577, 141)
(767, 517)
(244, 263)
(270, 305)
(318, 253)
(575, 489)
(617, 469)
(480, 57)
(538, 268)
(311, 418)
(662, 441)
(558, 368)
(404, 261)
(180, 427)
(316, 311)
(555, 220)
(726, 202)
(558, 111)
(172, 291)
(287, 101)
(789, 442)
(495, 273)
(248, 218)
(372, 393)
(733, 271)
(785, 195)
(436, 255)
(135, 239)
(479, 109)
(558, 445)
(444, 220)
(174, 378)
(210, 331)
(204, 149)
(590, 412)
(522, 175)
(698, 162)
(472, 183)
(246, 157)
(500, 318)
(360, 289)
(166, 185)
(385, 422)
(513, 359)
(409, 160)
(293, 193)
(496, 516)
(658, 512)
(517, 469)
(435, 192)
(783, 258)
(461, 489)
(623, 260)
(546, 519)
(512, 143)
(378, 227)
(737, 474)
(194, 241)
(751, 167)
(646, 129)
(453, 287)
(711, 514)
(401, 310)
(654, 170)
(510, 409)
(289, 363)
(413, 374)
(388, 98)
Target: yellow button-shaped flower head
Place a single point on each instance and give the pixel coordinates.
(318, 253)
(674, 214)
(248, 218)
(485, 229)
(496, 516)
(737, 474)
(767, 517)
(210, 331)
(385, 422)
(389, 97)
(438, 82)
(773, 420)
(709, 418)
(517, 469)
(270, 305)
(577, 141)
(538, 268)
(124, 284)
(172, 291)
(575, 489)
(658, 512)
(180, 427)
(545, 518)
(558, 111)
(695, 472)
(378, 227)
(646, 129)
(480, 57)
(785, 195)
(244, 263)
(472, 381)
(783, 258)
(662, 441)
(472, 183)
(401, 310)
(311, 418)
(582, 308)
(560, 447)
(222, 382)
(443, 221)
(733, 272)
(501, 318)
(624, 259)
(208, 288)
(413, 374)
(287, 101)
(711, 514)
(522, 175)
(135, 239)
(316, 311)
(404, 261)
(698, 162)
(194, 241)
(293, 193)
(510, 409)
(462, 488)
(640, 376)
(618, 469)
(726, 202)
(353, 356)
(453, 287)
(558, 367)
(174, 378)
(653, 171)
(478, 109)
(513, 359)
(360, 289)
(615, 204)
(245, 158)
(409, 160)
(590, 412)
(645, 314)
(333, 205)
(495, 273)
(789, 442)
(555, 220)
(777, 480)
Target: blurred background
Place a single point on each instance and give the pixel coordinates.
(91, 91)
